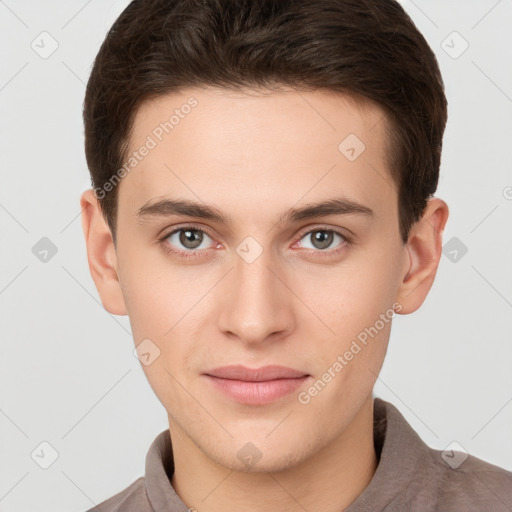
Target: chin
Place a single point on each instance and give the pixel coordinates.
(251, 459)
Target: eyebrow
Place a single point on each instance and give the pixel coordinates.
(334, 206)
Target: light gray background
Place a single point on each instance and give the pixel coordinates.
(68, 374)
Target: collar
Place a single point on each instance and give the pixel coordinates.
(405, 467)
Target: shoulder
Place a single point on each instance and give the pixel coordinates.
(472, 482)
(411, 475)
(133, 498)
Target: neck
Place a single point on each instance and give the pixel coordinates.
(329, 481)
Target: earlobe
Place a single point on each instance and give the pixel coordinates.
(101, 254)
(424, 249)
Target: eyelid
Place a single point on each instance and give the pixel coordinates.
(184, 227)
(304, 231)
(348, 239)
(320, 227)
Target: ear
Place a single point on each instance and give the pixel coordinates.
(101, 254)
(424, 248)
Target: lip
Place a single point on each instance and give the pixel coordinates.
(265, 373)
(258, 386)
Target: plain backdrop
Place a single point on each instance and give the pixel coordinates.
(72, 394)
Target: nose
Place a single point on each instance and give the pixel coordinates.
(256, 303)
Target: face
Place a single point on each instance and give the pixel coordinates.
(254, 275)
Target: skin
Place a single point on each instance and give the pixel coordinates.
(254, 156)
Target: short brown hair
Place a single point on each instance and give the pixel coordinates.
(365, 48)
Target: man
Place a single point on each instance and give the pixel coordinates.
(262, 206)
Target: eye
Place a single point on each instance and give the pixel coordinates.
(322, 239)
(186, 241)
(190, 241)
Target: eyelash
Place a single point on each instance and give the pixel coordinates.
(347, 240)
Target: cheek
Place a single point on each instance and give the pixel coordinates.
(156, 293)
(352, 294)
(167, 305)
(162, 309)
(350, 299)
(151, 305)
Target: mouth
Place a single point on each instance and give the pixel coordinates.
(258, 386)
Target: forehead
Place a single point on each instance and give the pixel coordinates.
(238, 148)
